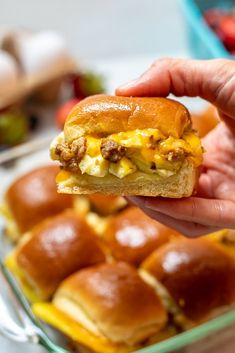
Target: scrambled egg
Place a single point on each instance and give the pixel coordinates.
(122, 168)
(136, 138)
(146, 151)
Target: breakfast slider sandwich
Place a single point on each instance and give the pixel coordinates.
(128, 146)
(131, 235)
(31, 198)
(106, 309)
(225, 237)
(51, 251)
(106, 205)
(101, 207)
(198, 274)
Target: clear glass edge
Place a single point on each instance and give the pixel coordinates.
(188, 337)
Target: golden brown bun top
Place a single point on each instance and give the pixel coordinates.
(33, 197)
(132, 235)
(106, 204)
(55, 249)
(199, 275)
(103, 115)
(122, 305)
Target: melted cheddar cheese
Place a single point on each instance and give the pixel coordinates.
(11, 228)
(136, 138)
(140, 154)
(146, 150)
(67, 325)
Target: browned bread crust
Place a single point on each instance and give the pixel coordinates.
(33, 197)
(199, 275)
(123, 307)
(104, 115)
(132, 235)
(106, 204)
(55, 249)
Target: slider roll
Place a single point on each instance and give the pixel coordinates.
(131, 236)
(32, 198)
(128, 146)
(124, 308)
(109, 306)
(198, 274)
(106, 205)
(52, 251)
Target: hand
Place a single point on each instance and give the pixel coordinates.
(214, 206)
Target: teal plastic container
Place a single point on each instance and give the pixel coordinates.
(202, 41)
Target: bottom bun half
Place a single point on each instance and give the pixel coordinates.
(181, 184)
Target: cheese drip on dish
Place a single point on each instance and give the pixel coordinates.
(124, 153)
(49, 313)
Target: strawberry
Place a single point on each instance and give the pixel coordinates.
(226, 32)
(223, 24)
(213, 17)
(63, 111)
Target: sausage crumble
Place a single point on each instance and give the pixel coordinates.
(176, 155)
(112, 151)
(71, 156)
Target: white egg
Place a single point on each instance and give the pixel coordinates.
(41, 51)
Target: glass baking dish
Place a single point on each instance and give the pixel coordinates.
(214, 336)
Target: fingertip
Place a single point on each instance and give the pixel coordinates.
(126, 89)
(120, 92)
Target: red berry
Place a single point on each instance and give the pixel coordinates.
(223, 24)
(63, 111)
(226, 32)
(213, 17)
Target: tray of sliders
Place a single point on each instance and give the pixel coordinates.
(103, 274)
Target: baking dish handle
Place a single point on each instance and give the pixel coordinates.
(10, 329)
